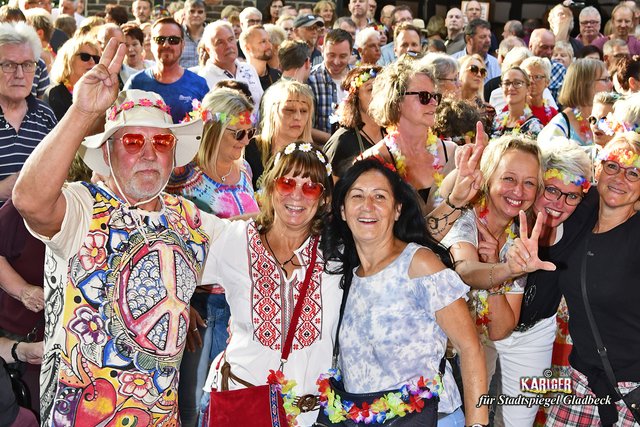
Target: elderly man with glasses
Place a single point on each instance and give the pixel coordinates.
(590, 22)
(24, 120)
(178, 86)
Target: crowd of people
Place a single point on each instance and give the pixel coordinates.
(384, 219)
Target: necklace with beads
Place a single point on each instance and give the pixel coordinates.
(281, 264)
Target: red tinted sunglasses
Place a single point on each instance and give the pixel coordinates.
(162, 143)
(310, 190)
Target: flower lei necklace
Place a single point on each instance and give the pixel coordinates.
(431, 145)
(516, 129)
(410, 398)
(583, 126)
(287, 390)
(482, 305)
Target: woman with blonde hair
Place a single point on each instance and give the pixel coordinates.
(77, 56)
(218, 181)
(472, 73)
(326, 9)
(286, 117)
(585, 77)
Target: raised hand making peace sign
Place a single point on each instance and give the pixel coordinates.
(98, 88)
(522, 256)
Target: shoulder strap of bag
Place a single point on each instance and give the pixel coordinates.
(359, 138)
(601, 349)
(298, 309)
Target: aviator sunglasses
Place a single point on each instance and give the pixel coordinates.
(478, 70)
(310, 190)
(162, 143)
(86, 57)
(173, 40)
(239, 134)
(425, 97)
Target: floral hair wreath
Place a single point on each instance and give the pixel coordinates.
(568, 178)
(142, 102)
(362, 79)
(624, 157)
(199, 112)
(305, 147)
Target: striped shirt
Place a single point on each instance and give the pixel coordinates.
(16, 147)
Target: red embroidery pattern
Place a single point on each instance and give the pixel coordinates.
(272, 307)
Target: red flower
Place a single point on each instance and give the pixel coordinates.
(416, 403)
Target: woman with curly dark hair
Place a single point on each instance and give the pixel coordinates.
(456, 120)
(358, 131)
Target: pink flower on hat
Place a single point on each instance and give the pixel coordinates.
(127, 105)
(113, 112)
(144, 102)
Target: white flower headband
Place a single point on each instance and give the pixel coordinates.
(305, 147)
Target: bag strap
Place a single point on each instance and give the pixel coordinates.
(298, 308)
(359, 138)
(600, 348)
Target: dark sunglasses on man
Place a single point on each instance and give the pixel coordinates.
(173, 40)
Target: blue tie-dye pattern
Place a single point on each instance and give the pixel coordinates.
(389, 335)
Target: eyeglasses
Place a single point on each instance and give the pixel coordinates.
(239, 134)
(552, 194)
(537, 77)
(162, 142)
(425, 97)
(605, 79)
(310, 190)
(28, 67)
(613, 168)
(254, 22)
(86, 57)
(173, 40)
(585, 23)
(478, 70)
(516, 84)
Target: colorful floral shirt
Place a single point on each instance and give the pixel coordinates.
(117, 288)
(379, 346)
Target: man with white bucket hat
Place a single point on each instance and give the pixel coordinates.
(123, 258)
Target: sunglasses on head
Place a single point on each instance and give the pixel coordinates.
(86, 57)
(478, 70)
(425, 97)
(162, 143)
(239, 134)
(310, 190)
(173, 40)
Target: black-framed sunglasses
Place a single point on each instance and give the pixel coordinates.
(86, 57)
(239, 134)
(425, 97)
(593, 120)
(173, 40)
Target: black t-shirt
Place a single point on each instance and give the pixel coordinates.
(253, 156)
(272, 76)
(343, 147)
(613, 287)
(542, 293)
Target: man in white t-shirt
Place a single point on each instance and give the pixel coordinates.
(122, 258)
(223, 64)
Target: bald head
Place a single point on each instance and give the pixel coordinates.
(454, 21)
(473, 10)
(542, 42)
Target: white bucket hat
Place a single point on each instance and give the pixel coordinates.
(135, 107)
